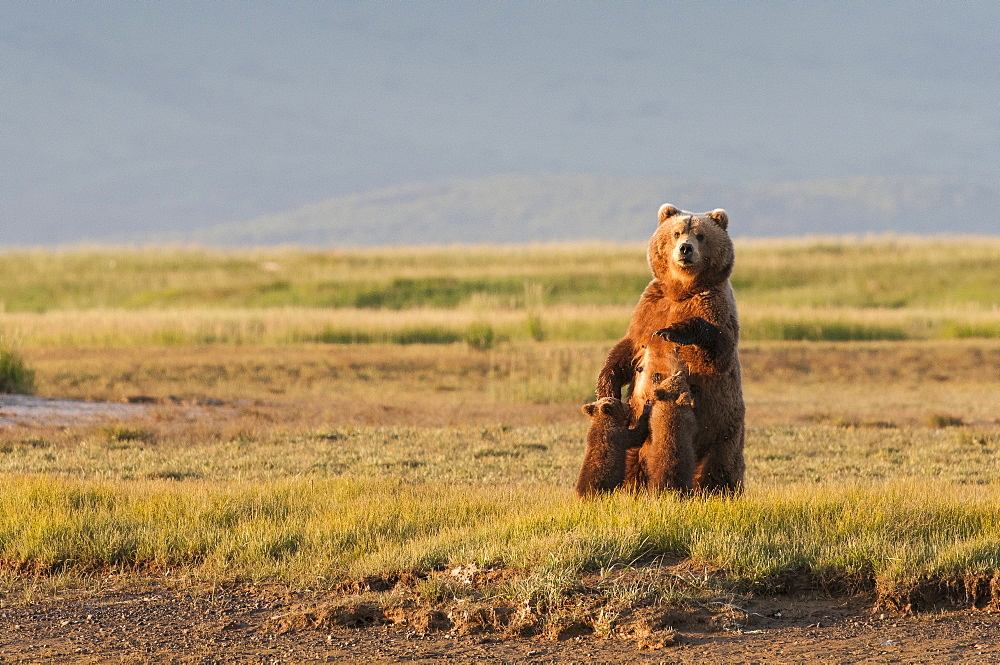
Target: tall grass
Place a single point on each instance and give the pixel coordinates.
(323, 531)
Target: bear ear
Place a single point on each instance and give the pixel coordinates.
(720, 217)
(589, 409)
(608, 409)
(667, 211)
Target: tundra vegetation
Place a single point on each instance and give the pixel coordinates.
(319, 418)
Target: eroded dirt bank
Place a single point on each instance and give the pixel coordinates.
(176, 623)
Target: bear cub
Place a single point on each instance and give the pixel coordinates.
(668, 459)
(608, 439)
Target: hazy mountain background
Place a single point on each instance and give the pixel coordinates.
(444, 121)
(510, 209)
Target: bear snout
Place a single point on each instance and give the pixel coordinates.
(686, 253)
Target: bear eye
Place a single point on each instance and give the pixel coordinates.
(677, 234)
(701, 236)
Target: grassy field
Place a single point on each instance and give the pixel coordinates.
(314, 418)
(836, 290)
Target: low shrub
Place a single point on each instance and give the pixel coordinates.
(15, 377)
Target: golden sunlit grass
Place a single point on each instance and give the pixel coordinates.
(320, 532)
(276, 441)
(291, 477)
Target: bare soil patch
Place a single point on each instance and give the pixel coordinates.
(243, 623)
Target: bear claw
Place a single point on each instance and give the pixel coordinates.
(690, 331)
(683, 337)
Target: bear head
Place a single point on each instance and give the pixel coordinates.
(692, 251)
(611, 409)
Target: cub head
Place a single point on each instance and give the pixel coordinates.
(610, 409)
(678, 399)
(691, 249)
(675, 389)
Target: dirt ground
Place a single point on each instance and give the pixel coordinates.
(171, 623)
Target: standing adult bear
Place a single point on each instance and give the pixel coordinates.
(688, 312)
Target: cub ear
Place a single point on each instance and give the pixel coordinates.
(590, 409)
(720, 217)
(608, 409)
(667, 211)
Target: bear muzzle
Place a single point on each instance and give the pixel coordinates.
(686, 253)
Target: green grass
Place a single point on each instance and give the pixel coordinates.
(818, 330)
(319, 532)
(880, 273)
(881, 289)
(390, 279)
(481, 329)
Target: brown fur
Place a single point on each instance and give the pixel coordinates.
(667, 459)
(688, 309)
(607, 440)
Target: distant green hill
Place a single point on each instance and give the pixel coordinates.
(515, 209)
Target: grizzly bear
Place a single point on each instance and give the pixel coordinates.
(667, 460)
(688, 309)
(608, 438)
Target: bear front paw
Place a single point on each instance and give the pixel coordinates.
(689, 331)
